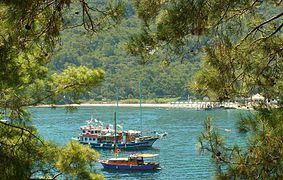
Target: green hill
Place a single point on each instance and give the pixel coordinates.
(107, 50)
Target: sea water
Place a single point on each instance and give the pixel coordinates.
(179, 158)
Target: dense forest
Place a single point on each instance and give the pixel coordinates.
(233, 48)
(124, 73)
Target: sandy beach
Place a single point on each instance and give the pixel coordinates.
(192, 105)
(109, 105)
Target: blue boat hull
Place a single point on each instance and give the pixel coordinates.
(132, 145)
(127, 167)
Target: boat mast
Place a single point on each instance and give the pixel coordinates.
(140, 105)
(117, 100)
(115, 137)
(115, 119)
(116, 148)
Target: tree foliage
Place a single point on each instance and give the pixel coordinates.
(261, 159)
(245, 47)
(75, 159)
(242, 57)
(123, 72)
(24, 155)
(29, 31)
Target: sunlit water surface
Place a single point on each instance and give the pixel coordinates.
(179, 157)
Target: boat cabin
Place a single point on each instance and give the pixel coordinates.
(133, 162)
(130, 161)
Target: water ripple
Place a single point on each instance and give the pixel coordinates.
(178, 156)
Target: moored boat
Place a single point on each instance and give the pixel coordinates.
(98, 136)
(132, 162)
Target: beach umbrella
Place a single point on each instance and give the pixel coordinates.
(257, 97)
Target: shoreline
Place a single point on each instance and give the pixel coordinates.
(188, 105)
(106, 105)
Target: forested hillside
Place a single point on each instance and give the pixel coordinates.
(107, 50)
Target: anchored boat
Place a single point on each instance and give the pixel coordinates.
(133, 162)
(99, 136)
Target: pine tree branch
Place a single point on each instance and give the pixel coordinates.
(23, 129)
(276, 31)
(57, 175)
(263, 23)
(241, 12)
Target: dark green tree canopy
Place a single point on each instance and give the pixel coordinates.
(243, 56)
(29, 31)
(244, 51)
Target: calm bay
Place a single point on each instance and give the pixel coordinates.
(179, 157)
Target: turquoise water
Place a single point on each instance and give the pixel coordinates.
(179, 158)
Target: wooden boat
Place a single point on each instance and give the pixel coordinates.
(98, 136)
(133, 162)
